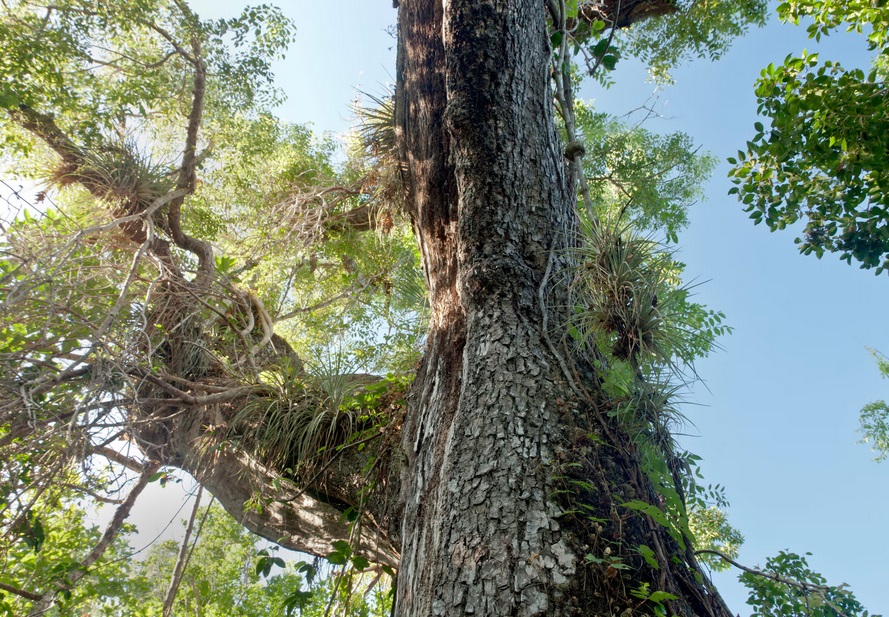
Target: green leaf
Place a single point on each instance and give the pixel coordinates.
(600, 48)
(360, 562)
(8, 99)
(662, 596)
(341, 546)
(649, 557)
(571, 9)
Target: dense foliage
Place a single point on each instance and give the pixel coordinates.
(822, 156)
(228, 573)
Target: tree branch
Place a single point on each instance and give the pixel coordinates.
(805, 587)
(775, 577)
(20, 592)
(93, 494)
(44, 127)
(170, 39)
(362, 218)
(187, 175)
(111, 532)
(183, 554)
(290, 516)
(116, 457)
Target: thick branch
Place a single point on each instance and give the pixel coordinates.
(289, 516)
(208, 399)
(116, 457)
(44, 127)
(187, 177)
(76, 164)
(623, 14)
(20, 592)
(301, 518)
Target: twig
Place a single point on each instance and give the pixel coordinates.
(821, 590)
(179, 569)
(775, 577)
(610, 38)
(93, 494)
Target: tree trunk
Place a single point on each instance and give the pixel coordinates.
(496, 420)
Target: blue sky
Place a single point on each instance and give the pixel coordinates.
(776, 421)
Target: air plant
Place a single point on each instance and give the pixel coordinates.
(301, 418)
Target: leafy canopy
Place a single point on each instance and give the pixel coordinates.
(51, 543)
(823, 158)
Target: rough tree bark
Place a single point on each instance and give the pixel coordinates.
(495, 416)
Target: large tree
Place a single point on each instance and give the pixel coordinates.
(491, 201)
(513, 475)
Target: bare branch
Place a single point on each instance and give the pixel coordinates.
(116, 457)
(187, 178)
(93, 494)
(769, 575)
(183, 555)
(171, 40)
(315, 307)
(221, 396)
(820, 590)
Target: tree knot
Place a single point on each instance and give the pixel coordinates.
(574, 149)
